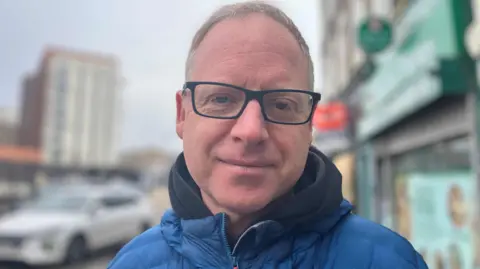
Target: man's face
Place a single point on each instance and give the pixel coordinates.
(222, 156)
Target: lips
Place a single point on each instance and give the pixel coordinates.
(247, 164)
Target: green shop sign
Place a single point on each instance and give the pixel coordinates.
(374, 35)
(425, 60)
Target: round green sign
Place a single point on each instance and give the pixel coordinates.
(374, 35)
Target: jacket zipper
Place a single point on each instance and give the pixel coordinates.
(227, 245)
(230, 252)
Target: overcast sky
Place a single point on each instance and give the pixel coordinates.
(150, 37)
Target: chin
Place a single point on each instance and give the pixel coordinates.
(244, 202)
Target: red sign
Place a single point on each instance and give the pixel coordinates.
(19, 154)
(331, 117)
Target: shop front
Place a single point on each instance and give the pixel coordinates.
(333, 135)
(416, 135)
(430, 199)
(345, 162)
(332, 128)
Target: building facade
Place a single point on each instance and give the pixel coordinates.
(71, 108)
(8, 126)
(341, 58)
(344, 67)
(415, 137)
(415, 112)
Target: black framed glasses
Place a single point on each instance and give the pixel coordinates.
(224, 101)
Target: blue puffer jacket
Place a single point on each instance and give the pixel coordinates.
(315, 233)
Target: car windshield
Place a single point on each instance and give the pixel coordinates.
(57, 202)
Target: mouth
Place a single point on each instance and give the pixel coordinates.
(246, 164)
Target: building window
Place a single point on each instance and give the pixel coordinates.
(435, 184)
(62, 74)
(61, 87)
(80, 99)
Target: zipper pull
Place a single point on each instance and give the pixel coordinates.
(235, 263)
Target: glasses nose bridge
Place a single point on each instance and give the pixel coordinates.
(253, 95)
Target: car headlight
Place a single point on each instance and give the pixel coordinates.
(47, 238)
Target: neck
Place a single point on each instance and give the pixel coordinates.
(237, 223)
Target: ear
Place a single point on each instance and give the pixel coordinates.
(180, 114)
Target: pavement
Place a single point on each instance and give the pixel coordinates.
(98, 263)
(99, 260)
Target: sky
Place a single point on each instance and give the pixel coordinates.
(151, 38)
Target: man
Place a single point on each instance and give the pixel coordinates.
(249, 191)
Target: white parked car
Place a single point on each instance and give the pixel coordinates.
(64, 226)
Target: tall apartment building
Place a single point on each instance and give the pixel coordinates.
(71, 108)
(8, 126)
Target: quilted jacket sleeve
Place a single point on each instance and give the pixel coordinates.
(375, 246)
(421, 263)
(146, 251)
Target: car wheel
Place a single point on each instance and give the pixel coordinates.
(76, 251)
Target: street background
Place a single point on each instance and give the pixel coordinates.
(87, 97)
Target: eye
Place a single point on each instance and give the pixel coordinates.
(282, 105)
(220, 99)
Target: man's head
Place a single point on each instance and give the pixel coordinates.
(244, 162)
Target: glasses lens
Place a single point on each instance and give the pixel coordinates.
(288, 107)
(218, 101)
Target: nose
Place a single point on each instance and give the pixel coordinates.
(250, 128)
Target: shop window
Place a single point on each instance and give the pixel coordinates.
(434, 197)
(444, 156)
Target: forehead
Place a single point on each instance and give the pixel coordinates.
(252, 49)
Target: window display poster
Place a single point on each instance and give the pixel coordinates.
(403, 214)
(441, 209)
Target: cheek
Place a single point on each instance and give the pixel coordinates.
(293, 144)
(202, 134)
(291, 141)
